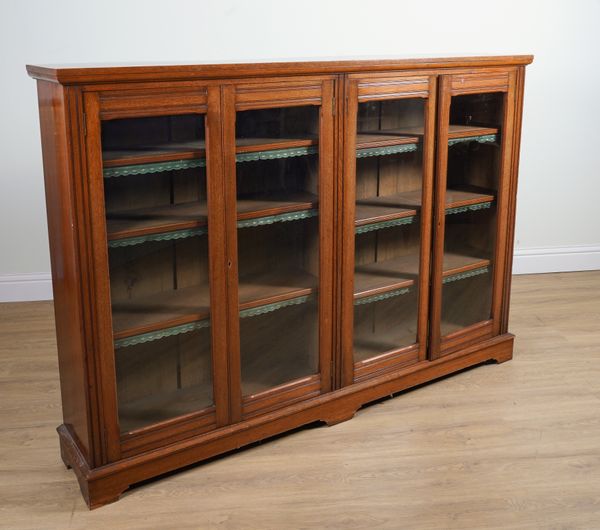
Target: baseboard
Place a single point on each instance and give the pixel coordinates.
(25, 287)
(556, 259)
(38, 285)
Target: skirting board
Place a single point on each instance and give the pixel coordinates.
(38, 286)
(556, 259)
(25, 287)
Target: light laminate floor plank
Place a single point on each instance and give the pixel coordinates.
(505, 446)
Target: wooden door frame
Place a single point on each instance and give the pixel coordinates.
(450, 85)
(136, 102)
(378, 87)
(277, 93)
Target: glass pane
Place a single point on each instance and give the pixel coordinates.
(389, 184)
(156, 219)
(278, 245)
(474, 152)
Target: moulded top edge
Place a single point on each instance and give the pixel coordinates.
(118, 73)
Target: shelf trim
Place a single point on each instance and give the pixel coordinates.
(363, 229)
(192, 232)
(269, 308)
(275, 154)
(385, 150)
(161, 236)
(469, 207)
(466, 274)
(153, 167)
(381, 296)
(279, 218)
(482, 139)
(161, 333)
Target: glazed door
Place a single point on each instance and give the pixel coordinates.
(157, 217)
(387, 194)
(278, 144)
(475, 125)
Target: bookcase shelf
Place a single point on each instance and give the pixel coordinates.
(189, 219)
(186, 155)
(406, 140)
(378, 281)
(172, 312)
(375, 213)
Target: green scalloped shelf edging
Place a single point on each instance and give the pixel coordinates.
(268, 308)
(384, 224)
(382, 296)
(466, 274)
(469, 208)
(482, 139)
(274, 154)
(154, 167)
(279, 218)
(386, 150)
(161, 334)
(163, 236)
(186, 328)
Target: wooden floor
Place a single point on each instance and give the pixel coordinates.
(515, 445)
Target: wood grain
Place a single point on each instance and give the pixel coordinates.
(513, 446)
(306, 108)
(95, 73)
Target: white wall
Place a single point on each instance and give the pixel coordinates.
(558, 221)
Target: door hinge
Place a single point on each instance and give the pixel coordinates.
(84, 124)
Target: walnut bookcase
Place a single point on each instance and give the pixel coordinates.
(238, 250)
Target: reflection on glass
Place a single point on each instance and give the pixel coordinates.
(389, 177)
(472, 185)
(277, 178)
(156, 218)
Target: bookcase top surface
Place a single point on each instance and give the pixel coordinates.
(118, 73)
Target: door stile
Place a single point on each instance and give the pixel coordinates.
(439, 209)
(100, 301)
(339, 141)
(518, 113)
(326, 233)
(503, 201)
(427, 215)
(217, 256)
(233, 326)
(348, 190)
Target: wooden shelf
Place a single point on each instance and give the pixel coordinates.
(160, 310)
(378, 212)
(467, 196)
(469, 131)
(183, 155)
(369, 139)
(393, 277)
(383, 342)
(157, 219)
(154, 153)
(382, 277)
(163, 405)
(457, 263)
(170, 309)
(177, 217)
(253, 145)
(387, 208)
(454, 131)
(405, 139)
(274, 287)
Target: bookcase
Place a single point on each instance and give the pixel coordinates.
(239, 250)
